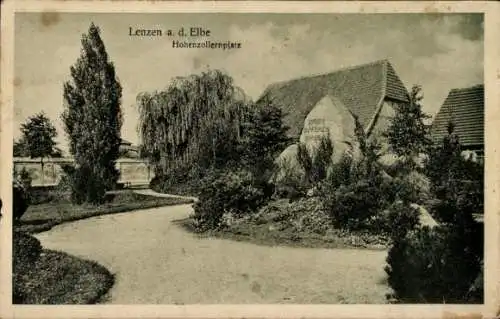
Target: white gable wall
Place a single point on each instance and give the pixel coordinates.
(329, 116)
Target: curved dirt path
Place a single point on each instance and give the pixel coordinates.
(157, 262)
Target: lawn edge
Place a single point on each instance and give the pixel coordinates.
(40, 228)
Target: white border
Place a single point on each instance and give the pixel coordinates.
(491, 79)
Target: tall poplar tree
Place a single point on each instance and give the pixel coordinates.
(93, 120)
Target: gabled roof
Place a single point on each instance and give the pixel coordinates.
(465, 108)
(360, 88)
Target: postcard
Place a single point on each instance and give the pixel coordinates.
(249, 159)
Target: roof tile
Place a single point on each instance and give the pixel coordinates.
(465, 107)
(359, 88)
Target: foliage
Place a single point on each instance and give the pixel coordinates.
(20, 200)
(263, 136)
(226, 191)
(196, 119)
(352, 206)
(342, 172)
(37, 140)
(407, 133)
(357, 191)
(397, 220)
(370, 148)
(290, 183)
(434, 265)
(413, 187)
(26, 249)
(443, 264)
(304, 215)
(322, 159)
(305, 161)
(315, 165)
(59, 278)
(93, 119)
(25, 178)
(454, 180)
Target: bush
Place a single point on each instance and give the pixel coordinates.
(86, 186)
(222, 192)
(20, 201)
(410, 188)
(290, 182)
(352, 206)
(181, 179)
(396, 221)
(434, 265)
(304, 215)
(322, 159)
(341, 173)
(26, 250)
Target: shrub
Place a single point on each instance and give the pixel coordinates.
(305, 161)
(433, 266)
(322, 159)
(290, 182)
(222, 192)
(26, 250)
(86, 186)
(304, 215)
(352, 206)
(25, 178)
(341, 173)
(397, 220)
(20, 201)
(410, 188)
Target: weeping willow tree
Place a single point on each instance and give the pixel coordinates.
(196, 119)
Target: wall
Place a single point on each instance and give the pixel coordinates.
(131, 170)
(329, 116)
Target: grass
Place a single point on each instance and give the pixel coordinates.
(59, 278)
(43, 217)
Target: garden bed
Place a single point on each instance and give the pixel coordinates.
(296, 224)
(43, 217)
(59, 278)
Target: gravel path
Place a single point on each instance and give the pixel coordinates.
(157, 262)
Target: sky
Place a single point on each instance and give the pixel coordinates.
(437, 51)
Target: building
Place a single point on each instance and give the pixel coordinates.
(465, 109)
(326, 104)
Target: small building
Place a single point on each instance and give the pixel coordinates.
(326, 104)
(465, 109)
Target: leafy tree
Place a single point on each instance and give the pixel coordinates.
(454, 179)
(263, 137)
(37, 141)
(196, 120)
(407, 133)
(93, 119)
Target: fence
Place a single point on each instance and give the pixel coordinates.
(132, 171)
